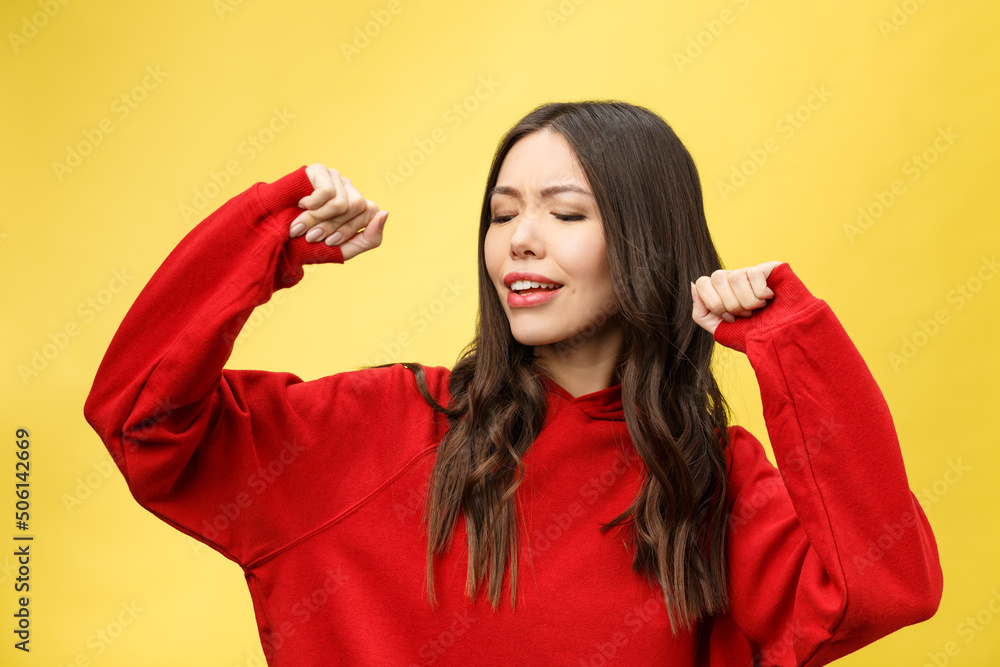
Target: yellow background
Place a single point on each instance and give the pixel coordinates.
(895, 74)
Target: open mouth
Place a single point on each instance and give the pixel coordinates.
(524, 287)
(524, 293)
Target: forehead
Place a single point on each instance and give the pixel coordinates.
(539, 160)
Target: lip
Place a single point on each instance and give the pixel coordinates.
(515, 300)
(514, 276)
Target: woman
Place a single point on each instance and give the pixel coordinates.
(571, 491)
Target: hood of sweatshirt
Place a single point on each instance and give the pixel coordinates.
(603, 404)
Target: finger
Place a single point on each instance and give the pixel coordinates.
(758, 282)
(370, 238)
(354, 205)
(729, 303)
(708, 295)
(711, 298)
(339, 211)
(325, 187)
(349, 228)
(339, 208)
(373, 231)
(767, 267)
(698, 308)
(739, 281)
(701, 314)
(357, 213)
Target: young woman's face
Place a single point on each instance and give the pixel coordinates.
(546, 223)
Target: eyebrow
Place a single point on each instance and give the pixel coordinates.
(545, 193)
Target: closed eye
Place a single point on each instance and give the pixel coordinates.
(564, 218)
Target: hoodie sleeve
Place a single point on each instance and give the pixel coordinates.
(830, 550)
(245, 461)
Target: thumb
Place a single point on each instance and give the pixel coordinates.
(369, 238)
(373, 230)
(699, 308)
(700, 313)
(377, 226)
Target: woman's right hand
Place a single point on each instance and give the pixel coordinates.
(334, 213)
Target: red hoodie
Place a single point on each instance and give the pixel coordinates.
(316, 488)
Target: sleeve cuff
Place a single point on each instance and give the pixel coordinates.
(790, 297)
(284, 192)
(280, 200)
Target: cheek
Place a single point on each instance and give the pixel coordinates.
(489, 251)
(493, 254)
(590, 262)
(600, 284)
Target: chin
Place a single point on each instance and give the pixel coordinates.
(535, 338)
(531, 341)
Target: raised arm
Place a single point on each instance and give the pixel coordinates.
(212, 451)
(831, 550)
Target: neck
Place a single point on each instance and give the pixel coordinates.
(583, 366)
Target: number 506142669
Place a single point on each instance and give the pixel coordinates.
(21, 469)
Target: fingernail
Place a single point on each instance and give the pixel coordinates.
(315, 234)
(728, 317)
(333, 240)
(385, 220)
(297, 229)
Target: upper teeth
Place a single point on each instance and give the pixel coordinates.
(519, 285)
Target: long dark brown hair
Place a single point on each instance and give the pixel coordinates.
(649, 197)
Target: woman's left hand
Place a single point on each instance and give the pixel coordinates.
(727, 294)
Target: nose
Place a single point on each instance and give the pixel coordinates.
(526, 239)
